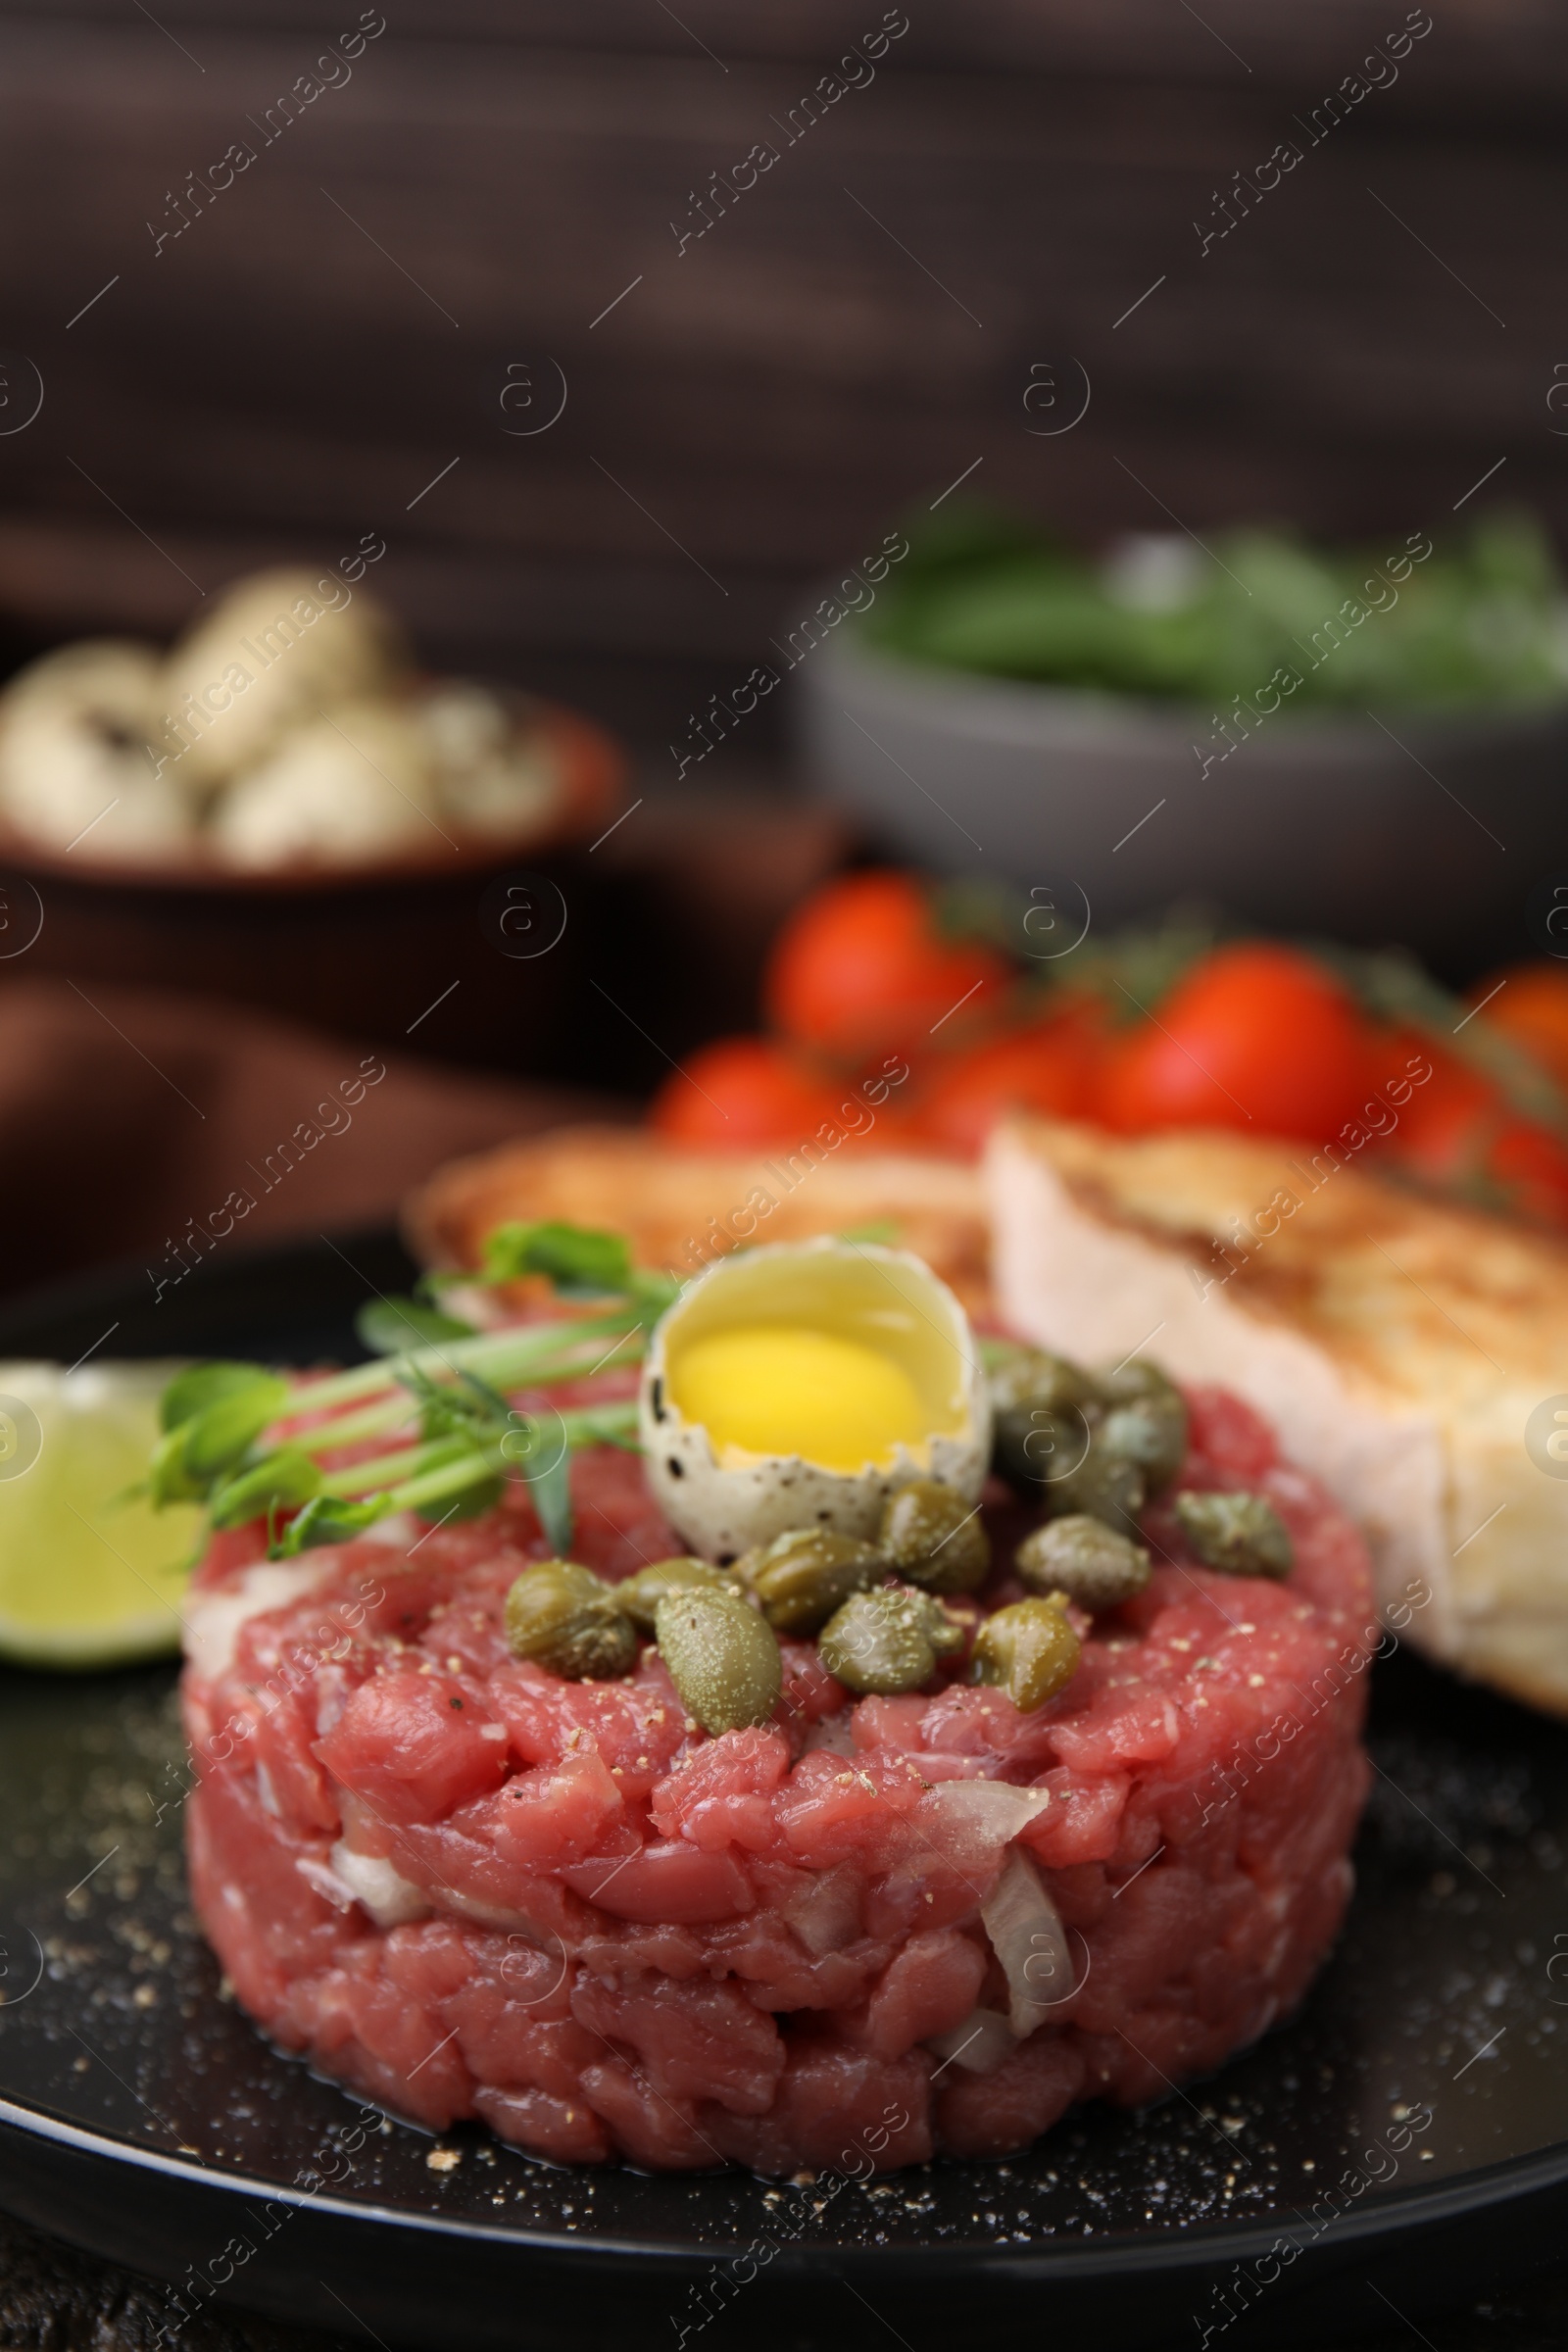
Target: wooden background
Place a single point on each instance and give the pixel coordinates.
(274, 380)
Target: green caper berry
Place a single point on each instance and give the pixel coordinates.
(1029, 1650)
(1032, 1446)
(640, 1594)
(945, 1630)
(1038, 1423)
(804, 1574)
(722, 1657)
(934, 1538)
(562, 1616)
(887, 1641)
(1105, 1486)
(1150, 1432)
(1032, 1376)
(1083, 1558)
(1239, 1533)
(1127, 1382)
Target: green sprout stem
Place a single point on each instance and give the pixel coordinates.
(417, 1494)
(394, 1412)
(538, 1353)
(413, 1466)
(365, 1478)
(434, 1486)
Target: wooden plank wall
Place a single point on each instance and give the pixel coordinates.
(332, 331)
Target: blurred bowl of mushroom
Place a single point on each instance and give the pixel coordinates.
(287, 734)
(283, 808)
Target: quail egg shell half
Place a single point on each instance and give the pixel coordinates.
(801, 1384)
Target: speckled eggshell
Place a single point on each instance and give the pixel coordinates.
(720, 1511)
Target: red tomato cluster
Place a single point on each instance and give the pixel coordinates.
(1255, 1036)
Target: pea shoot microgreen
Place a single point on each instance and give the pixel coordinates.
(253, 1443)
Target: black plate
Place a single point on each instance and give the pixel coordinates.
(1296, 2196)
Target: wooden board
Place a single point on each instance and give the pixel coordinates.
(855, 331)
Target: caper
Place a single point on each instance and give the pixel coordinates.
(888, 1641)
(1150, 1432)
(934, 1538)
(1031, 1447)
(1039, 1429)
(1029, 1650)
(722, 1657)
(1133, 1377)
(804, 1574)
(1104, 1485)
(561, 1615)
(640, 1594)
(1029, 1376)
(1239, 1534)
(1083, 1558)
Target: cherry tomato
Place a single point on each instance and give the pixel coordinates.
(1443, 1130)
(1531, 1009)
(861, 967)
(1458, 1133)
(1047, 1068)
(1256, 1037)
(1528, 1165)
(740, 1093)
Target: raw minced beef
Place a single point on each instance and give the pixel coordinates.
(466, 1888)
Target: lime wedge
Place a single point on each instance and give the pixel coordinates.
(86, 1579)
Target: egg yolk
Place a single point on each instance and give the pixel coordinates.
(779, 1388)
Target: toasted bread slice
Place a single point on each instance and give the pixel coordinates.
(680, 1209)
(1399, 1349)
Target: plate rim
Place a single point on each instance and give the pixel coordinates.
(1187, 2246)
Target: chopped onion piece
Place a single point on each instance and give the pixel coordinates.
(970, 1821)
(328, 1885)
(1030, 1942)
(391, 1900)
(980, 2044)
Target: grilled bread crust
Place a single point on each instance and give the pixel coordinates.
(680, 1209)
(1399, 1347)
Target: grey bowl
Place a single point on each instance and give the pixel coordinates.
(1398, 826)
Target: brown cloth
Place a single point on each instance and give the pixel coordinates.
(133, 1122)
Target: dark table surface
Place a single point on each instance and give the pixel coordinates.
(52, 2300)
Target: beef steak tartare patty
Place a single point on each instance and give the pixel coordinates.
(924, 1924)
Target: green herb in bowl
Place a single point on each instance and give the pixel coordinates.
(1476, 623)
